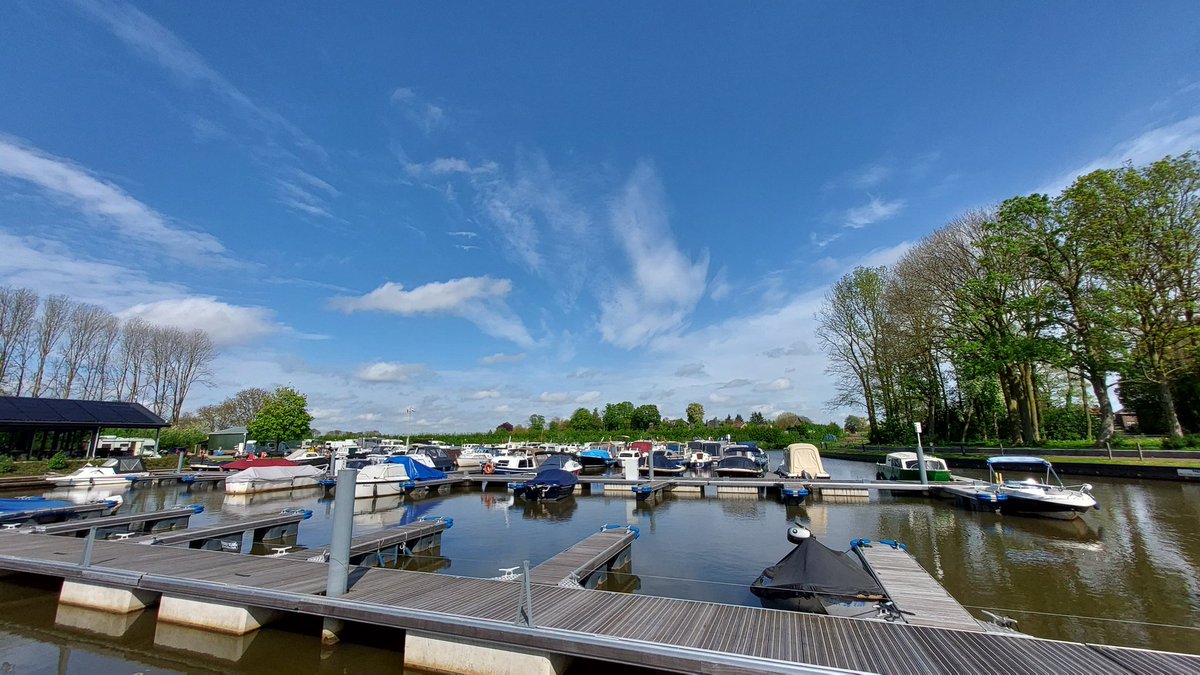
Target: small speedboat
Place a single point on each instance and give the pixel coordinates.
(663, 465)
(115, 471)
(699, 459)
(549, 484)
(508, 464)
(557, 460)
(815, 578)
(738, 466)
(1031, 486)
(473, 457)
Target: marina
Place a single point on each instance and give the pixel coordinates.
(495, 530)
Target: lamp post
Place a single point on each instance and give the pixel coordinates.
(408, 430)
(920, 455)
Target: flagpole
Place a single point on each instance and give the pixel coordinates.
(408, 430)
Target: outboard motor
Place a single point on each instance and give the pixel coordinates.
(798, 533)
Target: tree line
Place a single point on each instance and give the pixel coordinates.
(56, 347)
(1013, 322)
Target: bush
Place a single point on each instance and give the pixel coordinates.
(58, 462)
(1190, 441)
(7, 465)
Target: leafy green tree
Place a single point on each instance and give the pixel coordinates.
(585, 420)
(757, 419)
(618, 415)
(537, 422)
(646, 417)
(786, 420)
(181, 437)
(695, 414)
(283, 417)
(854, 424)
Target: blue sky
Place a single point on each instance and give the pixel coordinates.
(485, 211)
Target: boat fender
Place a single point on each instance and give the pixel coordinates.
(893, 544)
(489, 468)
(860, 543)
(798, 533)
(304, 512)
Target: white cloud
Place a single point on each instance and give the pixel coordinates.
(501, 357)
(482, 394)
(720, 288)
(304, 192)
(718, 398)
(227, 324)
(503, 409)
(445, 166)
(588, 397)
(465, 234)
(778, 384)
(878, 257)
(797, 348)
(665, 284)
(390, 371)
(480, 300)
(420, 112)
(554, 397)
(871, 212)
(106, 202)
(1152, 145)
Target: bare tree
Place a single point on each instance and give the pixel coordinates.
(49, 329)
(18, 308)
(133, 354)
(84, 327)
(193, 356)
(97, 366)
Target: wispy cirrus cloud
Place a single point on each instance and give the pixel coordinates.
(425, 115)
(155, 43)
(304, 192)
(872, 212)
(482, 394)
(106, 203)
(1174, 138)
(446, 166)
(479, 300)
(664, 284)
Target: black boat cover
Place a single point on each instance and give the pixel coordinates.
(813, 567)
(662, 462)
(738, 462)
(554, 477)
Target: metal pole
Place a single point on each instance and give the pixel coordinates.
(179, 464)
(95, 443)
(525, 609)
(87, 548)
(339, 547)
(921, 455)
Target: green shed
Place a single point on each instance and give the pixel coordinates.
(226, 440)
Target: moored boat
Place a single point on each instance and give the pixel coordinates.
(549, 484)
(738, 466)
(269, 475)
(663, 465)
(596, 457)
(815, 578)
(905, 466)
(512, 463)
(1030, 486)
(115, 471)
(802, 460)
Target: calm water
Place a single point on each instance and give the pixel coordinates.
(1124, 575)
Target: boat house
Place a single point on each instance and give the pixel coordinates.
(40, 426)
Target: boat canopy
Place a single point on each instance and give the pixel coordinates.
(125, 464)
(247, 463)
(800, 459)
(415, 469)
(554, 477)
(738, 462)
(661, 461)
(813, 567)
(1035, 461)
(274, 473)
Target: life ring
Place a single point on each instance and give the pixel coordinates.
(489, 468)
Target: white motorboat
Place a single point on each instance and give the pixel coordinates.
(116, 471)
(473, 457)
(514, 463)
(1031, 486)
(380, 480)
(699, 459)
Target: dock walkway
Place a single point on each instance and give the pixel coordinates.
(920, 599)
(228, 536)
(408, 538)
(584, 559)
(647, 631)
(137, 523)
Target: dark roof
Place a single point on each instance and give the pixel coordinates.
(22, 411)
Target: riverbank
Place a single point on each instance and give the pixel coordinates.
(1156, 468)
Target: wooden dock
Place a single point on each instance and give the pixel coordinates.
(918, 597)
(602, 551)
(126, 524)
(54, 514)
(646, 631)
(384, 546)
(228, 536)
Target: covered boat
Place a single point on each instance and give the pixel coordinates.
(663, 465)
(268, 476)
(815, 578)
(738, 466)
(558, 460)
(599, 457)
(549, 484)
(905, 466)
(802, 460)
(1031, 486)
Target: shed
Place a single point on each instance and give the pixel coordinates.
(226, 440)
(23, 418)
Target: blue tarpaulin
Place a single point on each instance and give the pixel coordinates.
(416, 470)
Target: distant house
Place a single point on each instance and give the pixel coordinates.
(1125, 421)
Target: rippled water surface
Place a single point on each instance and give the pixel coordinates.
(1123, 575)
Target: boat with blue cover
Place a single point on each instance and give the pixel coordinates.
(663, 465)
(550, 484)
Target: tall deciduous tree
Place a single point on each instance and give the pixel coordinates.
(584, 420)
(618, 415)
(284, 417)
(695, 414)
(645, 417)
(537, 422)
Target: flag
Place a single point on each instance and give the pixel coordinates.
(410, 411)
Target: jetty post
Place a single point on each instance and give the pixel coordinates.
(920, 455)
(339, 548)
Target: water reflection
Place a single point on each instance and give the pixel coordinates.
(557, 510)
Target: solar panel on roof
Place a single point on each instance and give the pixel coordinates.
(25, 411)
